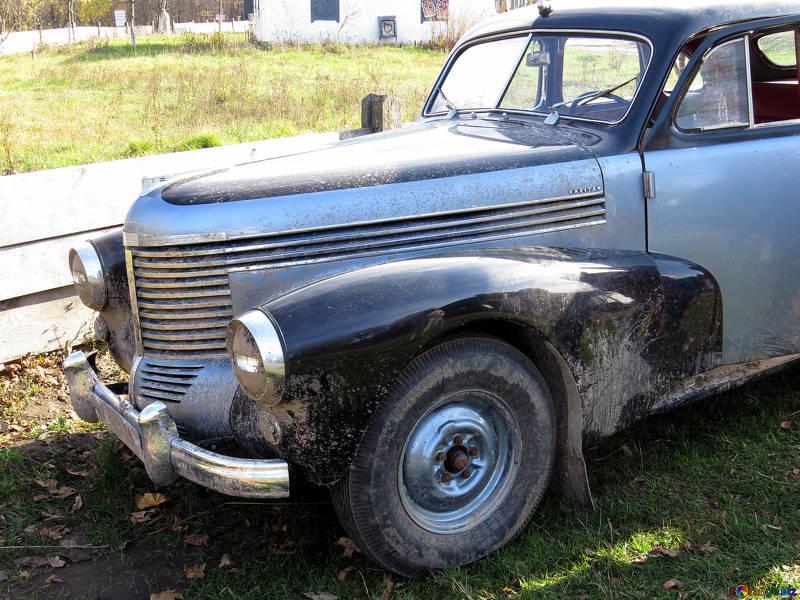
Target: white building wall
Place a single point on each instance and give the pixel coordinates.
(290, 20)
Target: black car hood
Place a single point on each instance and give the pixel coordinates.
(430, 150)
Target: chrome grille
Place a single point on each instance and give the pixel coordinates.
(182, 313)
(156, 381)
(183, 294)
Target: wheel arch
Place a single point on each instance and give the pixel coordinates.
(570, 475)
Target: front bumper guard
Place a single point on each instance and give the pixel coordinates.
(153, 436)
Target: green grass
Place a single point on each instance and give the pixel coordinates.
(102, 101)
(720, 471)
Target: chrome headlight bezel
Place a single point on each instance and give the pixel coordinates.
(256, 349)
(87, 273)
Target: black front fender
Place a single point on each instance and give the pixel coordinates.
(609, 315)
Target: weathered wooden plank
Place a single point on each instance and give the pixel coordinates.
(43, 322)
(39, 266)
(60, 202)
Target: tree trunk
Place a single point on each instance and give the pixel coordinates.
(219, 14)
(71, 20)
(133, 22)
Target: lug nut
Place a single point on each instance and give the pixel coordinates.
(446, 477)
(473, 452)
(458, 441)
(466, 474)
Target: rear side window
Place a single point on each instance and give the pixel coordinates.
(779, 48)
(719, 95)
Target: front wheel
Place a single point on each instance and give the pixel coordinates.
(454, 461)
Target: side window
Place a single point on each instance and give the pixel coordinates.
(779, 49)
(718, 97)
(324, 10)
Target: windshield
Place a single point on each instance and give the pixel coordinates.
(583, 76)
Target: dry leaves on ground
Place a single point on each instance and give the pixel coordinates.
(342, 575)
(48, 530)
(197, 539)
(77, 504)
(143, 516)
(786, 424)
(673, 584)
(150, 500)
(167, 595)
(194, 571)
(226, 562)
(59, 491)
(3, 576)
(320, 596)
(387, 590)
(706, 548)
(661, 551)
(53, 579)
(348, 547)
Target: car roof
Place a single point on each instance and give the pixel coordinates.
(651, 18)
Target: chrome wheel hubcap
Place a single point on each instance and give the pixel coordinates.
(459, 462)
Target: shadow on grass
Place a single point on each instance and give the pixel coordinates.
(704, 497)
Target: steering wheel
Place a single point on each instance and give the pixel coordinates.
(589, 96)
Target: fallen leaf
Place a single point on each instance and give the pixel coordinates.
(284, 548)
(226, 562)
(507, 591)
(341, 576)
(320, 596)
(672, 584)
(786, 424)
(348, 546)
(64, 492)
(76, 472)
(796, 472)
(142, 516)
(387, 590)
(589, 552)
(194, 571)
(53, 579)
(51, 485)
(77, 504)
(197, 539)
(56, 562)
(167, 595)
(3, 576)
(31, 562)
(150, 500)
(626, 450)
(765, 527)
(706, 548)
(660, 551)
(642, 558)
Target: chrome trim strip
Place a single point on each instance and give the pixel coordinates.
(206, 238)
(152, 435)
(533, 31)
(750, 107)
(137, 327)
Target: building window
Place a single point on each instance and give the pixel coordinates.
(324, 10)
(435, 10)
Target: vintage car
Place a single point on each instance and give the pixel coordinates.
(596, 218)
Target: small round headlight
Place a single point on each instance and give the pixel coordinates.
(87, 274)
(256, 350)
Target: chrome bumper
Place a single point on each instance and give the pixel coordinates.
(152, 435)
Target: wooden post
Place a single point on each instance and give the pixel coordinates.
(381, 113)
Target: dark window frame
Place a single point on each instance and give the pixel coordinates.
(319, 6)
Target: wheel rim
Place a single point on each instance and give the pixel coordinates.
(459, 462)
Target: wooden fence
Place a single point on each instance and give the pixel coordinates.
(45, 212)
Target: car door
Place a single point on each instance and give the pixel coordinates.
(725, 194)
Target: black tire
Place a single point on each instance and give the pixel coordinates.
(373, 500)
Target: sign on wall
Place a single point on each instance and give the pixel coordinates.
(435, 10)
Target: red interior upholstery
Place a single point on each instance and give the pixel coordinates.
(776, 101)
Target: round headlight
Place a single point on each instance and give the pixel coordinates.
(257, 354)
(87, 274)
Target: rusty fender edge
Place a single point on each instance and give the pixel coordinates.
(153, 437)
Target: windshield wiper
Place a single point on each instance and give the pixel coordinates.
(589, 96)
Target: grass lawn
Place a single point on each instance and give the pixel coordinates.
(101, 101)
(688, 505)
